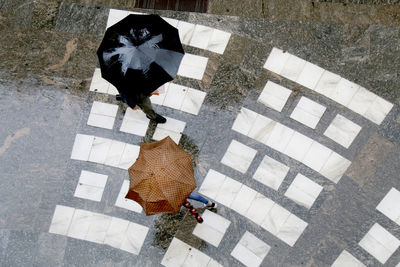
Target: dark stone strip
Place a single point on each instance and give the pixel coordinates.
(199, 6)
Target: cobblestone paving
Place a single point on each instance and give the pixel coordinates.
(293, 127)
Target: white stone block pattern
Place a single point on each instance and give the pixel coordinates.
(308, 112)
(346, 259)
(271, 172)
(250, 250)
(390, 205)
(102, 115)
(91, 185)
(238, 156)
(124, 203)
(342, 130)
(193, 66)
(303, 191)
(274, 96)
(213, 228)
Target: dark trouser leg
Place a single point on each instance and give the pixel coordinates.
(145, 104)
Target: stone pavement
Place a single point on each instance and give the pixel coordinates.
(293, 126)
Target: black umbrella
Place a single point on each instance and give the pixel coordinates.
(140, 53)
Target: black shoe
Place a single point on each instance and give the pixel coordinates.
(118, 97)
(158, 119)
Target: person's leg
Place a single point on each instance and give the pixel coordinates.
(145, 104)
(199, 198)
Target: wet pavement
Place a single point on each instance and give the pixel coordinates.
(48, 60)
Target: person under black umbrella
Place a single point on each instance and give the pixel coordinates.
(138, 55)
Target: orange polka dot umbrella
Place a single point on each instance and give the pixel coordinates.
(162, 177)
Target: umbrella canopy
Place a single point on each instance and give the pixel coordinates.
(140, 53)
(162, 177)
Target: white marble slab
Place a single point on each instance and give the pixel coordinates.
(114, 154)
(212, 183)
(112, 90)
(98, 84)
(160, 134)
(159, 99)
(101, 121)
(342, 130)
(390, 205)
(115, 15)
(97, 231)
(192, 66)
(129, 156)
(61, 221)
(193, 101)
(82, 147)
(172, 22)
(327, 83)
(238, 156)
(310, 75)
(135, 122)
(276, 60)
(244, 121)
(343, 92)
(335, 167)
(196, 258)
(90, 192)
(185, 30)
(259, 208)
(293, 68)
(379, 243)
(275, 219)
(280, 137)
(298, 146)
(346, 259)
(134, 238)
(303, 191)
(104, 109)
(80, 223)
(308, 112)
(176, 253)
(228, 191)
(361, 100)
(271, 172)
(250, 250)
(262, 129)
(243, 200)
(214, 263)
(218, 41)
(378, 110)
(317, 156)
(99, 150)
(125, 203)
(213, 228)
(116, 232)
(175, 96)
(291, 230)
(173, 125)
(201, 36)
(274, 96)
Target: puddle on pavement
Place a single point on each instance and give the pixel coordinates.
(166, 227)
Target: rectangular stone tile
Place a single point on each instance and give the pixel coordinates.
(308, 112)
(390, 205)
(291, 229)
(173, 125)
(89, 192)
(193, 101)
(317, 156)
(342, 130)
(114, 154)
(212, 184)
(201, 36)
(259, 208)
(261, 129)
(214, 263)
(124, 203)
(160, 134)
(346, 259)
(343, 92)
(335, 167)
(173, 22)
(255, 245)
(104, 109)
(80, 224)
(175, 96)
(243, 200)
(97, 231)
(378, 110)
(115, 15)
(99, 150)
(245, 256)
(276, 60)
(192, 66)
(271, 172)
(93, 178)
(218, 41)
(176, 253)
(327, 83)
(98, 84)
(212, 229)
(129, 156)
(379, 243)
(361, 101)
(116, 232)
(274, 96)
(228, 191)
(244, 121)
(275, 219)
(185, 30)
(134, 238)
(101, 121)
(82, 147)
(293, 68)
(196, 258)
(238, 156)
(298, 146)
(61, 220)
(310, 75)
(159, 99)
(135, 122)
(280, 137)
(303, 191)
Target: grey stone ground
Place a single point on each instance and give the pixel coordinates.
(47, 60)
